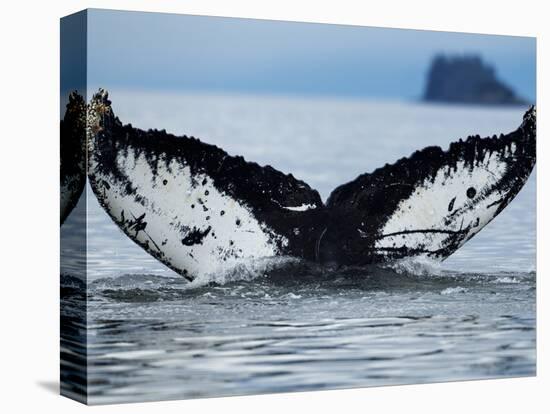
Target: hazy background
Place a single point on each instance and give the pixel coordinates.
(134, 50)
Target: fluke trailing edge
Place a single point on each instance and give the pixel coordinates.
(197, 209)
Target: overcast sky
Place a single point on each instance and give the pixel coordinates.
(194, 53)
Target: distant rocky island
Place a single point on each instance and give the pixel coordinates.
(468, 80)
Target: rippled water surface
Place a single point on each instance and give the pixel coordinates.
(283, 325)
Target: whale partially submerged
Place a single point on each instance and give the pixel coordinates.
(198, 209)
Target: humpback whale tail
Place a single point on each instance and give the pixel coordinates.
(72, 154)
(197, 209)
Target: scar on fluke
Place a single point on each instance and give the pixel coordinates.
(137, 224)
(451, 204)
(195, 236)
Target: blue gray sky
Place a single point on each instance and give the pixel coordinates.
(195, 53)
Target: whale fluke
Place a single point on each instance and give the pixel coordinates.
(198, 209)
(432, 202)
(72, 154)
(190, 204)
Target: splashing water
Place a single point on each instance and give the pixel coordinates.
(419, 266)
(244, 270)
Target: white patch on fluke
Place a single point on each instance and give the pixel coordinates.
(177, 204)
(430, 206)
(303, 207)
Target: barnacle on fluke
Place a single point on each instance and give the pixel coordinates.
(428, 204)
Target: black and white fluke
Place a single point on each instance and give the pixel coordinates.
(198, 210)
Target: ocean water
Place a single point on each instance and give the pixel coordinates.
(285, 325)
